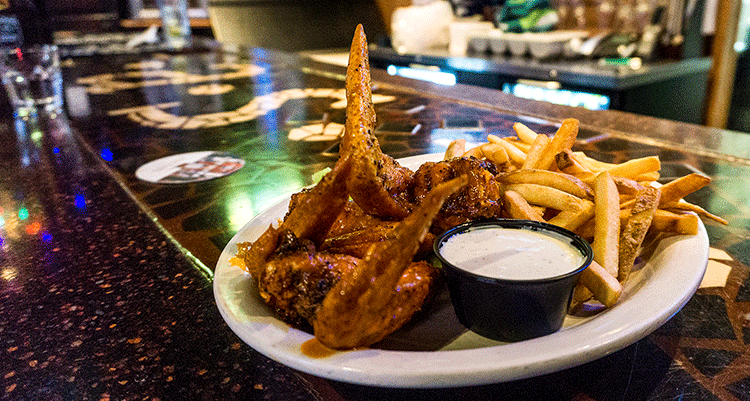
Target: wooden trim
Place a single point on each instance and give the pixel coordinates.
(147, 22)
(387, 7)
(722, 74)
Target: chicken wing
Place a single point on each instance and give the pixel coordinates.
(313, 214)
(480, 199)
(367, 304)
(378, 183)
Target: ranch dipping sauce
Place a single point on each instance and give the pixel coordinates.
(512, 253)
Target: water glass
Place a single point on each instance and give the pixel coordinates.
(32, 77)
(175, 22)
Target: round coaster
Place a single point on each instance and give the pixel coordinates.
(189, 167)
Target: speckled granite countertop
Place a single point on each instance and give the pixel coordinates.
(97, 303)
(106, 279)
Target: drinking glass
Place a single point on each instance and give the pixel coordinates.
(31, 77)
(175, 22)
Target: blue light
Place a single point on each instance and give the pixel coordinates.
(80, 202)
(2, 241)
(591, 101)
(106, 154)
(423, 74)
(55, 150)
(46, 237)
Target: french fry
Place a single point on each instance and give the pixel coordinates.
(567, 163)
(635, 167)
(651, 176)
(682, 205)
(564, 138)
(680, 187)
(587, 178)
(591, 163)
(495, 153)
(561, 181)
(635, 229)
(549, 197)
(626, 200)
(455, 149)
(535, 152)
(490, 151)
(675, 223)
(572, 220)
(474, 152)
(586, 230)
(516, 155)
(525, 133)
(663, 221)
(539, 209)
(491, 138)
(627, 203)
(580, 295)
(517, 207)
(522, 146)
(626, 186)
(603, 285)
(606, 223)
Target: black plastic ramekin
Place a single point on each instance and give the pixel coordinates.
(509, 309)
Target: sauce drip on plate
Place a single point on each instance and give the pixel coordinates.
(314, 349)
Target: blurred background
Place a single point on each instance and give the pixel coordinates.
(685, 60)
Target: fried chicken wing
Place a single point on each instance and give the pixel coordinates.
(313, 214)
(480, 199)
(378, 183)
(367, 305)
(355, 231)
(357, 242)
(296, 279)
(346, 267)
(352, 218)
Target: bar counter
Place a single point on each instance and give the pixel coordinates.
(107, 278)
(647, 88)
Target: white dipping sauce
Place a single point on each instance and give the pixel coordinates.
(512, 254)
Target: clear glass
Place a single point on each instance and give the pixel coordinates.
(32, 77)
(175, 22)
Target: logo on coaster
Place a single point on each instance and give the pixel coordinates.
(190, 167)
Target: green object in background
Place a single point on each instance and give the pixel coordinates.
(526, 16)
(536, 21)
(514, 9)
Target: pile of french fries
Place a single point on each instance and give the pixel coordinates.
(614, 206)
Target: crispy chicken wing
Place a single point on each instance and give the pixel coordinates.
(378, 183)
(296, 278)
(346, 267)
(480, 199)
(313, 214)
(368, 304)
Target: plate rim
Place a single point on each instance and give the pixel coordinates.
(501, 363)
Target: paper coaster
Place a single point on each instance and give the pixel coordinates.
(190, 167)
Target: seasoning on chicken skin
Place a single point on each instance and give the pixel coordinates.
(480, 199)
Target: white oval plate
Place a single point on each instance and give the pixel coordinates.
(434, 350)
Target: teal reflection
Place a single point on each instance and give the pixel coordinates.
(238, 208)
(725, 182)
(258, 190)
(28, 137)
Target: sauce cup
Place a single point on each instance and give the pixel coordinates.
(511, 280)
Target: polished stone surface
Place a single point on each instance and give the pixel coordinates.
(105, 282)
